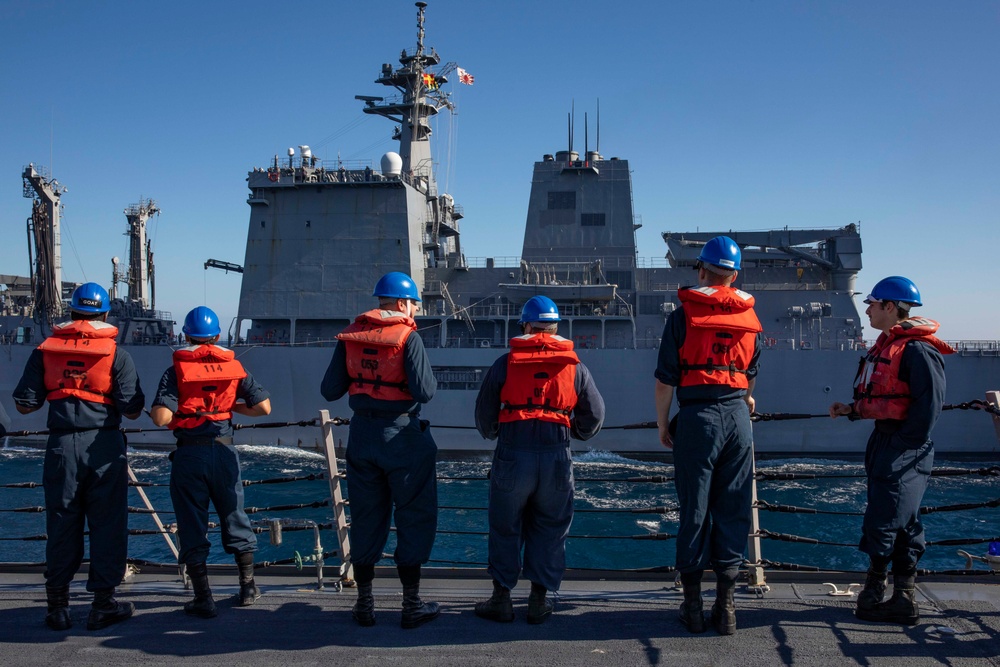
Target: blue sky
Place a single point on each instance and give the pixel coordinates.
(733, 115)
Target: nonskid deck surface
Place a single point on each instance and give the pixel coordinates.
(597, 622)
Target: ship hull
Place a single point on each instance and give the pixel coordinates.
(790, 381)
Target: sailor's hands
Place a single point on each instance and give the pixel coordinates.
(840, 410)
(665, 438)
(751, 403)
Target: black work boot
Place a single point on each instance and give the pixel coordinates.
(203, 605)
(364, 609)
(57, 617)
(416, 612)
(692, 615)
(724, 609)
(249, 593)
(499, 607)
(874, 590)
(106, 610)
(539, 606)
(901, 608)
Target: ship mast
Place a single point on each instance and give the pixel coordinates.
(420, 98)
(44, 236)
(138, 275)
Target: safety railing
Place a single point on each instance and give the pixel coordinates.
(612, 496)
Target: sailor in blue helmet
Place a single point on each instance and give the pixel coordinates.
(196, 398)
(708, 357)
(901, 385)
(89, 383)
(381, 363)
(532, 401)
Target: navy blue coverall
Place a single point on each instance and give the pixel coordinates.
(898, 462)
(713, 462)
(206, 467)
(391, 463)
(531, 482)
(85, 474)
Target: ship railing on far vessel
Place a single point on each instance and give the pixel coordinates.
(596, 517)
(297, 170)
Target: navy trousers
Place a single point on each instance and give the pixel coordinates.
(897, 479)
(85, 479)
(200, 474)
(531, 507)
(713, 463)
(391, 475)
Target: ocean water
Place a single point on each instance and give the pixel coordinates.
(606, 533)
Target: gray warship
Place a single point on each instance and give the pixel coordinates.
(321, 233)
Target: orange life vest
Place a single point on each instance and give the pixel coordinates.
(207, 379)
(878, 391)
(721, 330)
(78, 358)
(541, 379)
(375, 343)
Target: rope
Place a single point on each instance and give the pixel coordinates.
(762, 476)
(959, 542)
(976, 404)
(638, 510)
(25, 509)
(284, 508)
(336, 421)
(784, 537)
(284, 480)
(792, 509)
(957, 508)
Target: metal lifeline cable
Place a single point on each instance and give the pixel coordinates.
(975, 404)
(785, 537)
(610, 510)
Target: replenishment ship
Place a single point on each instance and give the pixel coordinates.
(321, 233)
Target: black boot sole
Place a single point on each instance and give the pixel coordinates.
(58, 621)
(694, 628)
(243, 600)
(364, 620)
(504, 616)
(104, 621)
(539, 619)
(417, 622)
(201, 613)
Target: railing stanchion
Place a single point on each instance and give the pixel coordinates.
(156, 519)
(337, 497)
(755, 571)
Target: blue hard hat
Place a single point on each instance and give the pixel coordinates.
(895, 288)
(201, 322)
(539, 309)
(396, 285)
(723, 252)
(90, 298)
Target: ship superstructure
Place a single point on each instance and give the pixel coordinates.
(321, 233)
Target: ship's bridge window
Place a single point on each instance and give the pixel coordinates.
(592, 220)
(562, 200)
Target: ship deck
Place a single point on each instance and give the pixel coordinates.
(601, 619)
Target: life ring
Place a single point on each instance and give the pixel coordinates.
(273, 176)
